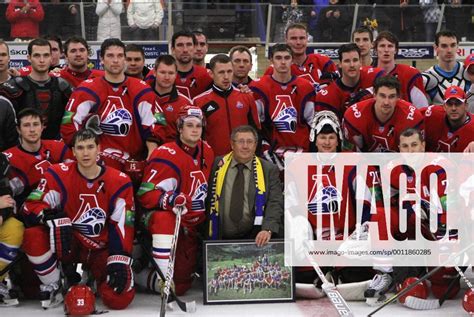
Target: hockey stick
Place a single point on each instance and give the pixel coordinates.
(188, 307)
(170, 272)
(423, 278)
(9, 266)
(329, 289)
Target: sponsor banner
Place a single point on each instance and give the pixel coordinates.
(404, 51)
(354, 209)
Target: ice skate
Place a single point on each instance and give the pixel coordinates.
(51, 295)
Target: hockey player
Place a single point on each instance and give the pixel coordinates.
(135, 60)
(82, 212)
(241, 58)
(39, 90)
(374, 125)
(316, 68)
(125, 108)
(448, 71)
(176, 177)
(286, 107)
(450, 127)
(56, 52)
(224, 106)
(469, 69)
(170, 100)
(363, 38)
(192, 80)
(30, 159)
(76, 51)
(411, 81)
(354, 85)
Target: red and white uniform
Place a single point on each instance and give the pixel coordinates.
(411, 82)
(170, 105)
(224, 111)
(27, 168)
(179, 168)
(440, 137)
(126, 112)
(191, 83)
(76, 78)
(366, 133)
(314, 66)
(336, 97)
(286, 111)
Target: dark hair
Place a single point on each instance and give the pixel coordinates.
(243, 129)
(183, 34)
(346, 48)
(84, 134)
(412, 131)
(299, 26)
(2, 42)
(29, 112)
(445, 33)
(165, 59)
(38, 42)
(364, 29)
(134, 48)
(219, 58)
(108, 43)
(75, 39)
(197, 33)
(280, 48)
(389, 36)
(55, 38)
(387, 81)
(240, 49)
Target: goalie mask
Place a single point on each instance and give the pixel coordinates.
(79, 300)
(325, 121)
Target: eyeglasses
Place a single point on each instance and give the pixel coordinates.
(242, 142)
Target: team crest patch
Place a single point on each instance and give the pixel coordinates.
(239, 105)
(169, 108)
(91, 222)
(326, 201)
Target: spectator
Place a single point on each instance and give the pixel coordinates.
(244, 212)
(431, 16)
(458, 16)
(109, 19)
(24, 16)
(292, 14)
(144, 17)
(61, 18)
(334, 23)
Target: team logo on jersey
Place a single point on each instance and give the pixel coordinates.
(42, 166)
(169, 108)
(115, 120)
(210, 108)
(90, 219)
(324, 198)
(239, 105)
(198, 190)
(446, 146)
(285, 115)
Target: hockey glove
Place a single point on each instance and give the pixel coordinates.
(359, 96)
(93, 123)
(60, 233)
(171, 199)
(275, 159)
(119, 273)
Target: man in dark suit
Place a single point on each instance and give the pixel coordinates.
(245, 193)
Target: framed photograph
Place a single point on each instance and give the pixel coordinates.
(237, 271)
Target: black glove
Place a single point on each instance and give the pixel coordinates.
(60, 232)
(359, 96)
(119, 273)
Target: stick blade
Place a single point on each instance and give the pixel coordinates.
(421, 304)
(338, 302)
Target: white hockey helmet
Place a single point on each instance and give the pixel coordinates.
(322, 119)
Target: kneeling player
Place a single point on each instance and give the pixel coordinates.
(82, 213)
(176, 176)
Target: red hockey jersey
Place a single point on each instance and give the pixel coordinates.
(409, 78)
(76, 78)
(365, 132)
(178, 168)
(440, 137)
(126, 112)
(101, 210)
(286, 111)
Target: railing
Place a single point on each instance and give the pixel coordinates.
(263, 22)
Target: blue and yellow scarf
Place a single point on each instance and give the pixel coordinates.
(218, 184)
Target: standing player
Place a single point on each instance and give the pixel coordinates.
(316, 68)
(224, 106)
(56, 51)
(76, 51)
(201, 49)
(169, 99)
(176, 177)
(374, 125)
(30, 159)
(354, 85)
(411, 81)
(469, 69)
(82, 212)
(192, 80)
(39, 90)
(135, 60)
(450, 127)
(286, 106)
(448, 71)
(363, 38)
(125, 107)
